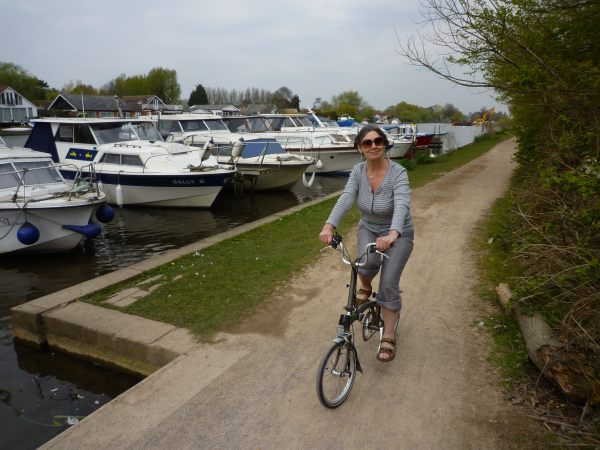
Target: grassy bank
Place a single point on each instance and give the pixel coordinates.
(210, 290)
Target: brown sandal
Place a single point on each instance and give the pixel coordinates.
(362, 296)
(389, 351)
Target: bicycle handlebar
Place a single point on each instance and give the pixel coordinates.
(337, 244)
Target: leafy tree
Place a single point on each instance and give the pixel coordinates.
(78, 87)
(351, 99)
(163, 82)
(198, 96)
(543, 59)
(22, 81)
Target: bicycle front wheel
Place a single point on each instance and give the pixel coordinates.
(336, 374)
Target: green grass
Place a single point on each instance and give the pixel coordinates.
(218, 287)
(508, 352)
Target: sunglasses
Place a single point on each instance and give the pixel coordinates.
(378, 141)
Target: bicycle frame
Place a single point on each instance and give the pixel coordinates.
(353, 313)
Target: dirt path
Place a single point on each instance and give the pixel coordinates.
(438, 393)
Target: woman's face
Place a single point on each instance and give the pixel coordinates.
(372, 146)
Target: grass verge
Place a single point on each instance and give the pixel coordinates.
(211, 290)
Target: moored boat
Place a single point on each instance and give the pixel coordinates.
(131, 160)
(40, 211)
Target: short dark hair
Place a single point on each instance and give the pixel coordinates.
(367, 129)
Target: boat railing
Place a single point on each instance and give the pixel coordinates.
(80, 183)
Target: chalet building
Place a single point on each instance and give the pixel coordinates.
(99, 106)
(14, 108)
(217, 110)
(145, 105)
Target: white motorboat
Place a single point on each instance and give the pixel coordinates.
(261, 162)
(40, 211)
(403, 138)
(333, 149)
(131, 160)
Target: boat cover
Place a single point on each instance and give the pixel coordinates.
(41, 139)
(258, 147)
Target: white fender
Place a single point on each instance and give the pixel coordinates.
(319, 164)
(310, 182)
(207, 149)
(119, 195)
(239, 145)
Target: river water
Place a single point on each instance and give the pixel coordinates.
(43, 393)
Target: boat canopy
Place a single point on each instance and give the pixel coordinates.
(259, 147)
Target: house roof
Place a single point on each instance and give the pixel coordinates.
(89, 102)
(3, 88)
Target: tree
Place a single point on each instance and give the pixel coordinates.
(348, 98)
(543, 59)
(198, 96)
(163, 82)
(78, 87)
(22, 81)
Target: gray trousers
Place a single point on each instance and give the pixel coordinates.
(391, 268)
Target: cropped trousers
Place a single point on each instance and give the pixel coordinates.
(391, 268)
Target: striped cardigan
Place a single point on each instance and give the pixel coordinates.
(388, 208)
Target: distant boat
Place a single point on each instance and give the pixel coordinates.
(345, 121)
(40, 211)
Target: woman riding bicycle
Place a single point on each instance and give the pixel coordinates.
(381, 190)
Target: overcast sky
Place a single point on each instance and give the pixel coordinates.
(317, 48)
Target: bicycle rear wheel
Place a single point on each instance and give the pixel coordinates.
(370, 322)
(336, 374)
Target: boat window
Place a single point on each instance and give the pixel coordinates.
(131, 160)
(64, 133)
(111, 158)
(8, 177)
(304, 121)
(109, 133)
(82, 134)
(320, 140)
(146, 131)
(216, 125)
(168, 126)
(257, 125)
(237, 125)
(193, 125)
(38, 172)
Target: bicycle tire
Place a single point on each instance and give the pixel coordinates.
(370, 324)
(336, 374)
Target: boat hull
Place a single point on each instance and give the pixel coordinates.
(49, 219)
(263, 177)
(193, 190)
(335, 160)
(399, 149)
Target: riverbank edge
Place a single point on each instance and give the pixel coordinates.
(127, 343)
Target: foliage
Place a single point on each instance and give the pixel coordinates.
(78, 87)
(159, 81)
(22, 81)
(198, 96)
(543, 58)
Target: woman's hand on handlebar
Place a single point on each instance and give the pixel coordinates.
(326, 234)
(385, 242)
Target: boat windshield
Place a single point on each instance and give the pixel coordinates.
(216, 125)
(257, 125)
(237, 124)
(111, 132)
(304, 121)
(33, 172)
(193, 125)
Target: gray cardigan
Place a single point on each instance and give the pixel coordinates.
(388, 208)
